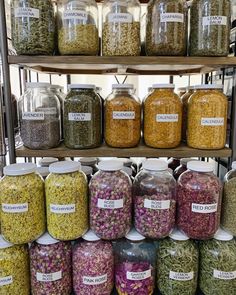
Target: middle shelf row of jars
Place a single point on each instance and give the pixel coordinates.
(83, 118)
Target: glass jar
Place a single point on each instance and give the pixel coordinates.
(50, 266)
(184, 100)
(121, 28)
(93, 266)
(40, 117)
(22, 202)
(78, 27)
(82, 117)
(122, 117)
(182, 167)
(210, 27)
(162, 117)
(218, 265)
(110, 201)
(173, 163)
(14, 269)
(88, 171)
(43, 171)
(199, 194)
(207, 118)
(91, 162)
(154, 197)
(47, 161)
(166, 27)
(177, 265)
(66, 200)
(33, 27)
(135, 265)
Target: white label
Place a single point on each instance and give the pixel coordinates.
(62, 209)
(138, 276)
(204, 208)
(152, 204)
(15, 208)
(181, 276)
(214, 20)
(48, 111)
(79, 117)
(167, 118)
(212, 121)
(75, 14)
(49, 277)
(94, 280)
(120, 18)
(110, 204)
(26, 12)
(34, 116)
(172, 17)
(6, 281)
(222, 275)
(123, 115)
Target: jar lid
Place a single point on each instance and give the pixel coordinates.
(4, 244)
(43, 171)
(19, 169)
(182, 88)
(110, 165)
(155, 165)
(126, 161)
(184, 161)
(37, 85)
(87, 170)
(81, 86)
(208, 86)
(178, 235)
(163, 86)
(64, 167)
(133, 235)
(47, 161)
(87, 161)
(200, 166)
(222, 235)
(47, 239)
(234, 165)
(90, 236)
(127, 170)
(122, 86)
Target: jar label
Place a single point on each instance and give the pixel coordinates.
(62, 209)
(138, 276)
(49, 277)
(48, 111)
(33, 116)
(6, 281)
(120, 18)
(222, 275)
(15, 208)
(75, 14)
(181, 276)
(110, 204)
(214, 20)
(166, 118)
(204, 208)
(94, 280)
(79, 117)
(123, 115)
(161, 205)
(26, 12)
(212, 121)
(172, 17)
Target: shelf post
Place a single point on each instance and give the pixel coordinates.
(233, 119)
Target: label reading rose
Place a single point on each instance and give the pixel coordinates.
(204, 208)
(49, 277)
(92, 281)
(110, 204)
(161, 205)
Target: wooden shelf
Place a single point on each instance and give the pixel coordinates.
(138, 65)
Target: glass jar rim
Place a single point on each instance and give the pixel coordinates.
(90, 236)
(81, 86)
(134, 235)
(155, 165)
(37, 85)
(163, 86)
(208, 86)
(63, 167)
(122, 86)
(110, 165)
(200, 166)
(19, 169)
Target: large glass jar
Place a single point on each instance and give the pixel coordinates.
(78, 27)
(162, 117)
(40, 117)
(122, 117)
(110, 201)
(199, 194)
(177, 265)
(166, 27)
(135, 265)
(93, 266)
(154, 197)
(14, 269)
(184, 100)
(218, 265)
(82, 117)
(121, 28)
(66, 201)
(50, 266)
(22, 202)
(210, 27)
(33, 27)
(207, 118)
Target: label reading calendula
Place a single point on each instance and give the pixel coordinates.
(123, 115)
(181, 276)
(15, 208)
(110, 204)
(138, 276)
(26, 12)
(34, 116)
(167, 118)
(172, 18)
(6, 281)
(49, 277)
(212, 121)
(75, 14)
(120, 18)
(92, 281)
(160, 205)
(222, 275)
(62, 209)
(79, 117)
(214, 20)
(204, 208)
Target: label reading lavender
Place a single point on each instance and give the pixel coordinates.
(6, 281)
(120, 18)
(138, 276)
(33, 116)
(92, 281)
(161, 205)
(49, 277)
(79, 117)
(214, 20)
(181, 276)
(222, 275)
(172, 18)
(26, 12)
(110, 204)
(62, 209)
(162, 118)
(75, 14)
(15, 208)
(204, 208)
(212, 121)
(123, 115)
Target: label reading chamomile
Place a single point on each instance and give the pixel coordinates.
(167, 118)
(26, 12)
(62, 209)
(223, 275)
(120, 18)
(138, 276)
(33, 116)
(213, 20)
(181, 276)
(172, 18)
(123, 115)
(110, 204)
(80, 117)
(212, 121)
(15, 208)
(75, 14)
(6, 281)
(49, 277)
(157, 205)
(92, 281)
(204, 208)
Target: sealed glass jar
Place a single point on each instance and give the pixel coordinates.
(218, 265)
(122, 117)
(40, 117)
(182, 167)
(110, 201)
(82, 117)
(184, 100)
(14, 269)
(22, 202)
(66, 201)
(166, 27)
(78, 27)
(199, 199)
(177, 265)
(50, 266)
(135, 265)
(207, 118)
(162, 117)
(33, 27)
(154, 197)
(93, 266)
(210, 27)
(121, 28)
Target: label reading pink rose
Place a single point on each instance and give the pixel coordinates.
(15, 208)
(172, 18)
(4, 281)
(62, 209)
(79, 117)
(222, 275)
(120, 18)
(161, 205)
(92, 281)
(26, 12)
(167, 118)
(123, 115)
(49, 277)
(204, 208)
(33, 116)
(214, 20)
(110, 204)
(138, 276)
(181, 276)
(212, 121)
